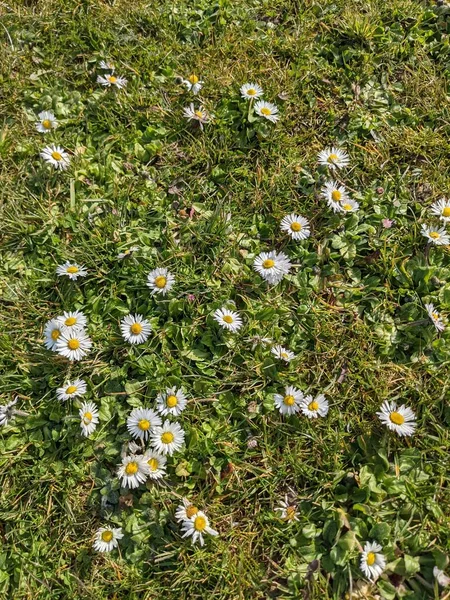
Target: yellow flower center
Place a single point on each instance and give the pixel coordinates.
(332, 158)
(446, 211)
(289, 400)
(435, 316)
(347, 206)
(70, 321)
(296, 226)
(144, 425)
(112, 79)
(73, 344)
(397, 418)
(56, 155)
(136, 328)
(167, 437)
(87, 417)
(72, 269)
(198, 113)
(290, 513)
(268, 264)
(251, 92)
(336, 195)
(228, 319)
(107, 536)
(131, 468)
(313, 405)
(172, 401)
(153, 464)
(371, 558)
(435, 235)
(55, 334)
(191, 511)
(46, 124)
(160, 281)
(266, 111)
(71, 389)
(284, 355)
(200, 523)
(193, 79)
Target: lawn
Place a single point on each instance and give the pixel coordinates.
(144, 187)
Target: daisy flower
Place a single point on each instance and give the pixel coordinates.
(372, 562)
(156, 463)
(160, 281)
(107, 538)
(106, 65)
(435, 317)
(441, 208)
(193, 84)
(199, 115)
(56, 156)
(436, 235)
(228, 319)
(185, 511)
(335, 195)
(133, 471)
(7, 412)
(313, 408)
(52, 332)
(267, 110)
(72, 270)
(47, 121)
(289, 404)
(441, 577)
(272, 266)
(71, 390)
(249, 91)
(196, 527)
(168, 438)
(347, 206)
(111, 79)
(73, 343)
(283, 354)
(135, 329)
(287, 510)
(127, 253)
(171, 402)
(73, 319)
(334, 158)
(400, 419)
(297, 227)
(89, 418)
(141, 421)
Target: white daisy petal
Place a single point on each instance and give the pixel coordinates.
(250, 91)
(297, 227)
(282, 353)
(289, 403)
(71, 270)
(88, 418)
(441, 209)
(73, 343)
(133, 471)
(199, 115)
(160, 281)
(436, 235)
(141, 421)
(56, 156)
(112, 80)
(334, 158)
(335, 195)
(193, 84)
(135, 329)
(272, 266)
(287, 510)
(73, 319)
(372, 562)
(171, 402)
(168, 438)
(156, 463)
(52, 332)
(228, 319)
(313, 408)
(267, 110)
(71, 389)
(441, 577)
(196, 527)
(107, 538)
(435, 317)
(185, 511)
(400, 419)
(47, 122)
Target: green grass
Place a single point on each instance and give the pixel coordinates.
(370, 75)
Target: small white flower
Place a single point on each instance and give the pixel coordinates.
(56, 156)
(141, 421)
(313, 408)
(196, 527)
(73, 343)
(335, 195)
(185, 511)
(52, 332)
(272, 266)
(297, 227)
(171, 402)
(199, 115)
(334, 158)
(47, 121)
(372, 562)
(127, 253)
(441, 577)
(73, 319)
(135, 329)
(349, 206)
(71, 270)
(193, 84)
(287, 510)
(400, 419)
(160, 281)
(88, 418)
(157, 464)
(111, 79)
(441, 208)
(436, 235)
(267, 110)
(282, 353)
(7, 412)
(289, 403)
(107, 538)
(250, 91)
(228, 319)
(106, 65)
(133, 471)
(168, 438)
(435, 317)
(71, 390)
